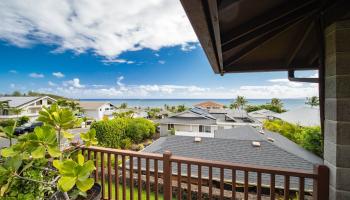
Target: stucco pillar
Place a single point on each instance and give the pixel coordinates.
(337, 108)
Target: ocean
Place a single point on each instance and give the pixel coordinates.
(144, 103)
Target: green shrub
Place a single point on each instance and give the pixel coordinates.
(5, 123)
(22, 120)
(312, 140)
(139, 129)
(109, 133)
(126, 143)
(309, 138)
(172, 131)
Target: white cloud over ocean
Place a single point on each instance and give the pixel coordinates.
(279, 89)
(105, 27)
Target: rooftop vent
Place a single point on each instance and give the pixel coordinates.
(197, 139)
(270, 139)
(256, 144)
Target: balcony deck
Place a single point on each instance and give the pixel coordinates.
(168, 176)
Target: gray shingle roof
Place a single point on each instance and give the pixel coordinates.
(250, 133)
(179, 120)
(205, 117)
(18, 101)
(234, 151)
(304, 116)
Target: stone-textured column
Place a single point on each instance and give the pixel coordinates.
(337, 108)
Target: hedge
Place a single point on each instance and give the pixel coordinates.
(122, 132)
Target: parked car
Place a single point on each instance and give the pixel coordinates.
(27, 127)
(33, 126)
(22, 129)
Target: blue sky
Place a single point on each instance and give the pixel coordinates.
(149, 53)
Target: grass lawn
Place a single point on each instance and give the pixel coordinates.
(160, 196)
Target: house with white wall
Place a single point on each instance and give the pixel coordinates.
(29, 106)
(97, 109)
(263, 114)
(204, 122)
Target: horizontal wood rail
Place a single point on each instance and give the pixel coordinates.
(139, 175)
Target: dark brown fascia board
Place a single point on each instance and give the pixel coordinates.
(199, 17)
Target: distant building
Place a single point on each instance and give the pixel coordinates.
(244, 145)
(262, 114)
(97, 110)
(137, 112)
(303, 116)
(209, 105)
(203, 122)
(30, 106)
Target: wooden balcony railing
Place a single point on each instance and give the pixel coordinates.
(139, 175)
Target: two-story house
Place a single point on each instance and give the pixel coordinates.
(26, 106)
(97, 109)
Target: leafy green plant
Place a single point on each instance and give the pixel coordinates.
(111, 133)
(89, 137)
(309, 138)
(9, 122)
(58, 118)
(22, 120)
(75, 173)
(33, 149)
(8, 132)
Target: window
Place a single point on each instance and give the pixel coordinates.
(206, 129)
(170, 126)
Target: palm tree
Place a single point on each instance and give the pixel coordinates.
(181, 108)
(234, 106)
(123, 106)
(240, 102)
(312, 101)
(277, 102)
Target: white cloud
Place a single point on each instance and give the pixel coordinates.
(161, 62)
(279, 89)
(51, 83)
(58, 74)
(75, 83)
(111, 60)
(12, 85)
(106, 27)
(36, 75)
(13, 71)
(286, 81)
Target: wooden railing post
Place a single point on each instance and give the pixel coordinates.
(321, 184)
(167, 173)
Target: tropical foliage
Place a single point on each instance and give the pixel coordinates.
(27, 161)
(119, 132)
(275, 105)
(8, 132)
(126, 114)
(175, 109)
(312, 101)
(239, 103)
(309, 138)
